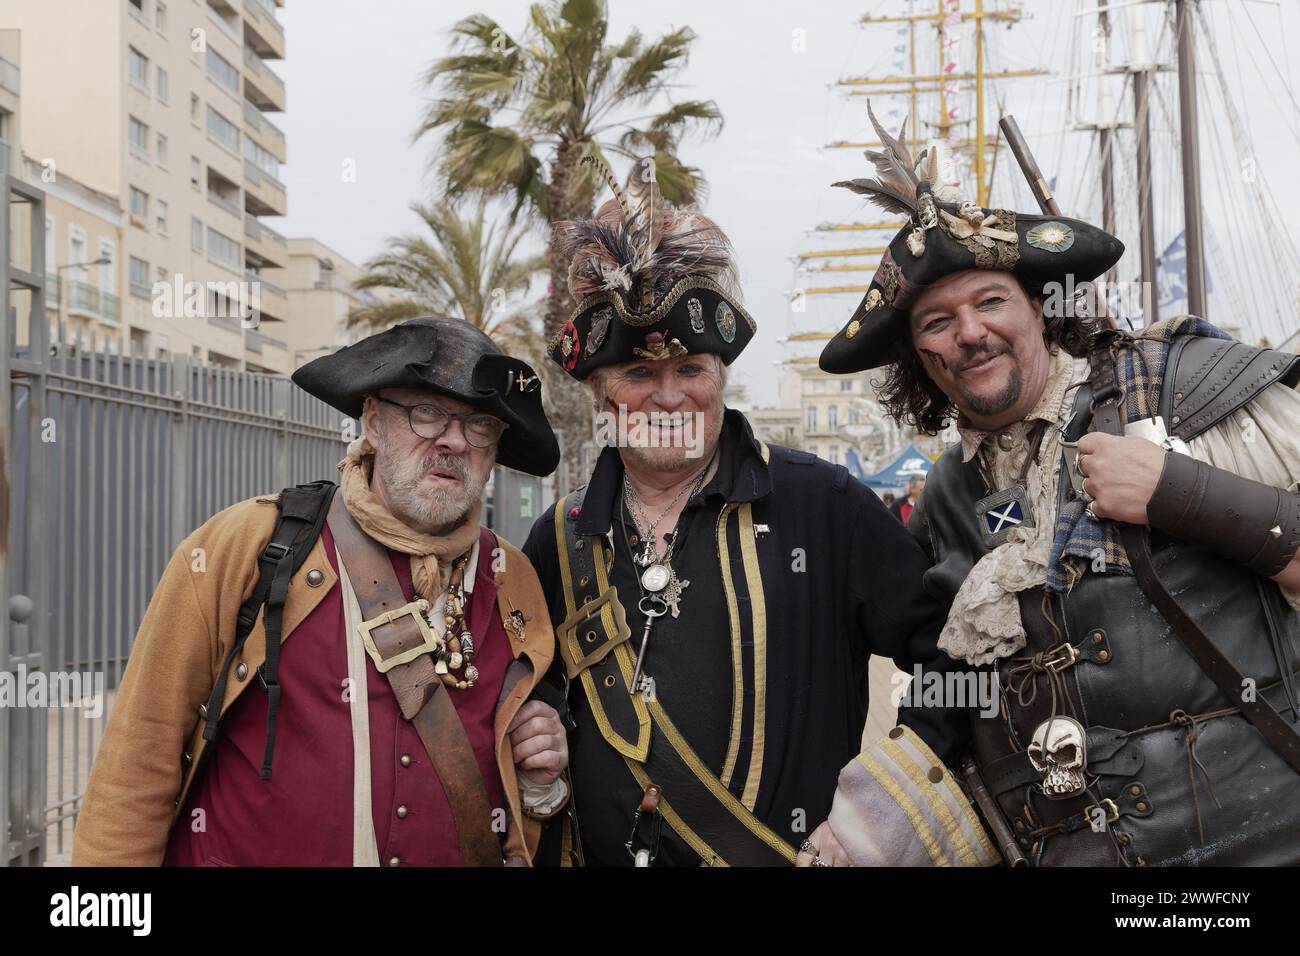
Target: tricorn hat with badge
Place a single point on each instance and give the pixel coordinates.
(945, 235)
(651, 282)
(450, 357)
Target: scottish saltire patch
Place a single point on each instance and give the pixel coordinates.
(1002, 512)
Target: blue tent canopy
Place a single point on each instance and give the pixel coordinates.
(912, 461)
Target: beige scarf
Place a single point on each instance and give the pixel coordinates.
(431, 555)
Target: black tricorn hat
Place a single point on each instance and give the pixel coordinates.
(453, 358)
(942, 238)
(1039, 250)
(695, 316)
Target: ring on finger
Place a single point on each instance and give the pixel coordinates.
(818, 861)
(807, 847)
(1078, 465)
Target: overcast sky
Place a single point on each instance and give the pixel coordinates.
(354, 94)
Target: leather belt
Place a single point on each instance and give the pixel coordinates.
(399, 640)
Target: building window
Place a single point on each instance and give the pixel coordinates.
(162, 150)
(194, 108)
(107, 270)
(196, 233)
(196, 171)
(161, 206)
(222, 73)
(161, 273)
(139, 138)
(50, 246)
(139, 65)
(139, 205)
(223, 249)
(846, 385)
(160, 18)
(835, 455)
(139, 278)
(833, 416)
(164, 85)
(222, 130)
(261, 159)
(76, 251)
(812, 418)
(137, 7)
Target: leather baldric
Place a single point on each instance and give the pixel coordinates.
(594, 642)
(1107, 396)
(398, 641)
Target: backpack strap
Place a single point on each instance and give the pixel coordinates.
(302, 510)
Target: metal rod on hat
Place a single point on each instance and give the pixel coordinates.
(1020, 149)
(1042, 192)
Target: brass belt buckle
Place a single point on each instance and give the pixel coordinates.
(1068, 654)
(416, 609)
(1112, 811)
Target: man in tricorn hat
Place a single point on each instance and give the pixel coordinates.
(1115, 536)
(396, 727)
(716, 598)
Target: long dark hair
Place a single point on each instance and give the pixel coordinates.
(909, 395)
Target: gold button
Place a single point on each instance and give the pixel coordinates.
(1098, 637)
(936, 774)
(315, 578)
(406, 760)
(401, 812)
(1141, 807)
(1135, 790)
(1103, 656)
(896, 733)
(241, 671)
(395, 861)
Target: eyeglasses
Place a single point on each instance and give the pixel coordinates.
(431, 421)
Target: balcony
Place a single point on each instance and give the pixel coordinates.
(265, 243)
(263, 132)
(272, 300)
(262, 31)
(87, 300)
(263, 196)
(262, 87)
(10, 77)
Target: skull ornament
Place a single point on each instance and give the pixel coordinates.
(1058, 751)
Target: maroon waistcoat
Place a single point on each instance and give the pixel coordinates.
(302, 816)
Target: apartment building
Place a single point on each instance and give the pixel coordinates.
(163, 105)
(319, 284)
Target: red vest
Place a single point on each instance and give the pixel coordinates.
(302, 816)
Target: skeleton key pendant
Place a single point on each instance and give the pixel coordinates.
(652, 606)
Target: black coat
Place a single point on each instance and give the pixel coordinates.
(841, 580)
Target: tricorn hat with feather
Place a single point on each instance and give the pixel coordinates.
(651, 281)
(943, 235)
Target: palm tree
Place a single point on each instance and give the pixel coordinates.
(467, 268)
(517, 116)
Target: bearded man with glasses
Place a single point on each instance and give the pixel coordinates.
(403, 723)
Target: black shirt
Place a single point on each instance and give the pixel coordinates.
(840, 580)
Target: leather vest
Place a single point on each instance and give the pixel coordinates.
(1173, 775)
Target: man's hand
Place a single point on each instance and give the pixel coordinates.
(539, 745)
(1120, 475)
(828, 849)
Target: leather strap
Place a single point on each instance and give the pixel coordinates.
(419, 691)
(1136, 539)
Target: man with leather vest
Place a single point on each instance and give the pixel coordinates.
(1115, 534)
(394, 726)
(716, 598)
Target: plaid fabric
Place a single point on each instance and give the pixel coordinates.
(1080, 544)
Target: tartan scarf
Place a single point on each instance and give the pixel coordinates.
(1078, 542)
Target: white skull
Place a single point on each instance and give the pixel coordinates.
(1058, 751)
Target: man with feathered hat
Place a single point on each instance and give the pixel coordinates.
(347, 679)
(1114, 535)
(716, 598)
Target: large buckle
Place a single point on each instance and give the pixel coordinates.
(1112, 810)
(1068, 655)
(416, 609)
